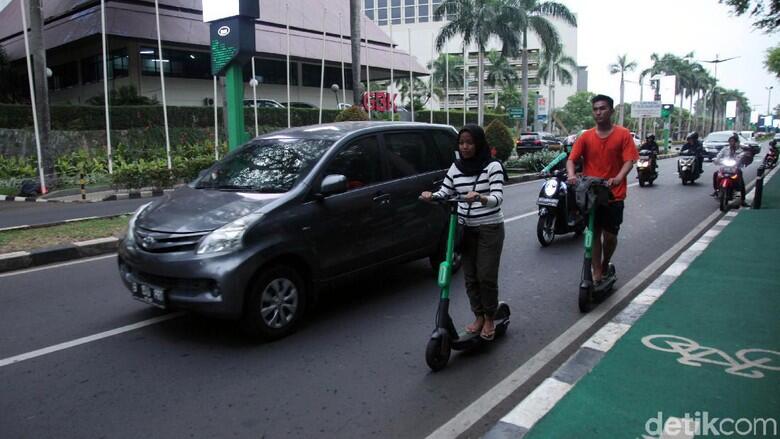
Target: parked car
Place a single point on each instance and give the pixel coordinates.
(263, 103)
(535, 141)
(715, 141)
(300, 105)
(258, 235)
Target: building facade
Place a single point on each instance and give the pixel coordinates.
(72, 36)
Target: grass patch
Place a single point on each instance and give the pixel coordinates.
(29, 239)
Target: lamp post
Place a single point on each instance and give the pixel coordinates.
(335, 88)
(715, 61)
(769, 100)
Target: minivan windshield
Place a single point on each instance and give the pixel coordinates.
(266, 165)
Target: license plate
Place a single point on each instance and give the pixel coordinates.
(547, 201)
(148, 294)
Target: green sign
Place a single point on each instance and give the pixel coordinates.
(516, 112)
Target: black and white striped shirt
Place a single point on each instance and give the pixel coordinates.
(489, 183)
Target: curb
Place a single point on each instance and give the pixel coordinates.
(522, 418)
(113, 197)
(60, 253)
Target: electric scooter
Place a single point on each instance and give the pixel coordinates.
(590, 294)
(445, 337)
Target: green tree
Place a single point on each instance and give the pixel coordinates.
(446, 67)
(772, 62)
(556, 64)
(577, 114)
(766, 13)
(499, 73)
(126, 95)
(476, 21)
(509, 96)
(534, 17)
(622, 66)
(499, 137)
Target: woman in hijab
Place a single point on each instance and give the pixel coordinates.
(478, 178)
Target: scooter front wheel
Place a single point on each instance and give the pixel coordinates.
(585, 301)
(437, 353)
(545, 229)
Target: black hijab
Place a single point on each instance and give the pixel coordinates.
(475, 165)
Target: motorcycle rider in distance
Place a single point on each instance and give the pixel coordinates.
(652, 146)
(732, 151)
(694, 147)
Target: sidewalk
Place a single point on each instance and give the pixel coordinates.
(697, 354)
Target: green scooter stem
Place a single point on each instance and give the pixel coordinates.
(555, 161)
(586, 273)
(445, 268)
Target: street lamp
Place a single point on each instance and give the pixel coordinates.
(715, 61)
(335, 88)
(769, 99)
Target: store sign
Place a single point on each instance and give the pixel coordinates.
(214, 10)
(380, 101)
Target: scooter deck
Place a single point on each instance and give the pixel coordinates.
(468, 340)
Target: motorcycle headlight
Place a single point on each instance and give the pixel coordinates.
(550, 187)
(228, 237)
(130, 236)
(729, 162)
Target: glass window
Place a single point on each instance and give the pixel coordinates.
(359, 162)
(382, 15)
(92, 67)
(370, 14)
(267, 165)
(382, 4)
(368, 4)
(396, 12)
(176, 63)
(435, 5)
(272, 71)
(312, 72)
(422, 15)
(409, 154)
(64, 75)
(409, 13)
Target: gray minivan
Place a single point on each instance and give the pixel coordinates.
(259, 233)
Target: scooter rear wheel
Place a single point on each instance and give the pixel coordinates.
(437, 353)
(585, 301)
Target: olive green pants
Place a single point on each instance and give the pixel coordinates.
(482, 247)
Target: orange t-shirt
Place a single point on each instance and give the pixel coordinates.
(603, 158)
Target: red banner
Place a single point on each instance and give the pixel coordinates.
(379, 101)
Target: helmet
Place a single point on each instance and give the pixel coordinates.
(650, 137)
(735, 137)
(692, 135)
(773, 143)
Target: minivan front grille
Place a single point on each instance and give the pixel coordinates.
(163, 242)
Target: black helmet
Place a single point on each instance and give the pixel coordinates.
(650, 137)
(772, 142)
(693, 135)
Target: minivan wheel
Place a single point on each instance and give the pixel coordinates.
(275, 303)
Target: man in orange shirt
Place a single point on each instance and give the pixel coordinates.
(608, 151)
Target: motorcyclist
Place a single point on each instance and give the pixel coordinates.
(695, 148)
(652, 146)
(733, 152)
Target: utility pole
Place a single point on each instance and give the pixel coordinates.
(40, 76)
(715, 61)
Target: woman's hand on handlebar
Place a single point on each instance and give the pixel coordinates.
(426, 196)
(473, 197)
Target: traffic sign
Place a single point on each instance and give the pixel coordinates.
(516, 112)
(646, 109)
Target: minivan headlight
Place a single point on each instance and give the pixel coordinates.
(130, 237)
(228, 237)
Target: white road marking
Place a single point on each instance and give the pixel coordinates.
(607, 336)
(538, 403)
(87, 339)
(64, 264)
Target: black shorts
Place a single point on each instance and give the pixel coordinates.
(610, 217)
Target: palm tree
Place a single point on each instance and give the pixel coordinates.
(438, 67)
(499, 72)
(477, 21)
(622, 66)
(555, 63)
(38, 52)
(534, 17)
(355, 15)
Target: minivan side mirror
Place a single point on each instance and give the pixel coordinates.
(333, 184)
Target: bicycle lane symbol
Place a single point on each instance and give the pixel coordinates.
(747, 363)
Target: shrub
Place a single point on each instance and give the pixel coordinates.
(536, 161)
(498, 137)
(353, 113)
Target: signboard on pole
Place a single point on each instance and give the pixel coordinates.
(516, 112)
(731, 109)
(541, 107)
(667, 89)
(646, 109)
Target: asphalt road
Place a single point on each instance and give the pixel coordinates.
(18, 213)
(355, 370)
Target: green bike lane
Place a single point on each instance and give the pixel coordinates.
(701, 358)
